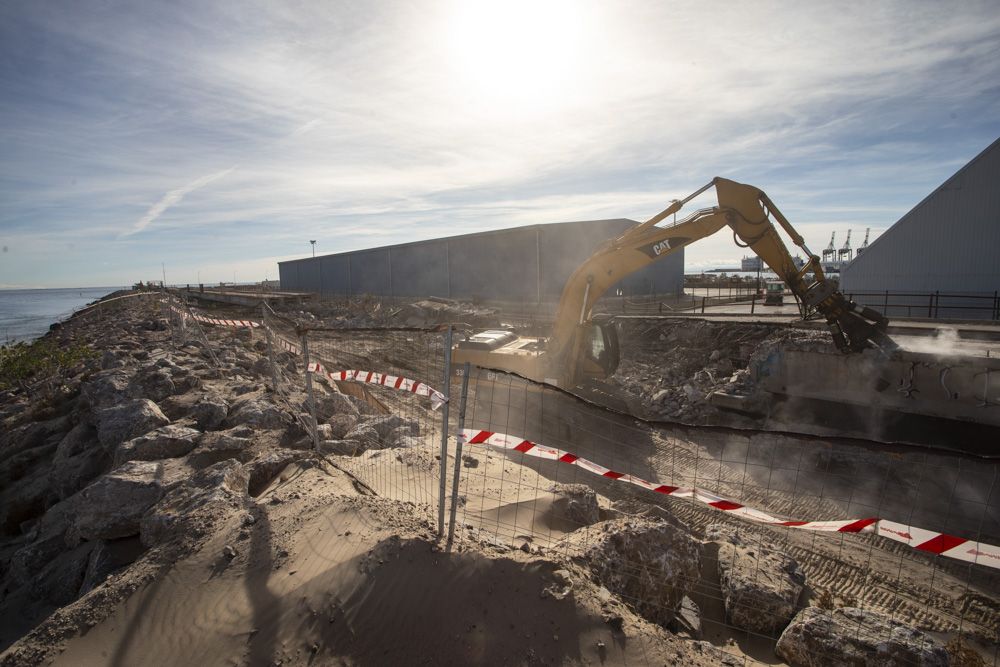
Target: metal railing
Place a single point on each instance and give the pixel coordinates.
(932, 305)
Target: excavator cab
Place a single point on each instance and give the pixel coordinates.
(600, 349)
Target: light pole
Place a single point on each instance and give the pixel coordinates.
(313, 242)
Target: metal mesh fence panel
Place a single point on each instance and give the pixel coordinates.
(376, 397)
(594, 486)
(742, 538)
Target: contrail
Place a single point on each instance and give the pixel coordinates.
(171, 198)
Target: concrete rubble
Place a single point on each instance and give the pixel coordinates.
(761, 587)
(650, 563)
(849, 636)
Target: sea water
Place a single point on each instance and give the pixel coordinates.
(26, 314)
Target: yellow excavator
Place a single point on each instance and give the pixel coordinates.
(583, 347)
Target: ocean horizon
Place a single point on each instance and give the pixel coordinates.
(27, 314)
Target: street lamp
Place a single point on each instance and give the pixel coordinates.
(314, 247)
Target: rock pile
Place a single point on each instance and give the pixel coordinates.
(146, 447)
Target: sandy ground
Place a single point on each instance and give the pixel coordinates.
(320, 571)
(327, 576)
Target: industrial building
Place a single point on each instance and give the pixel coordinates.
(942, 259)
(522, 264)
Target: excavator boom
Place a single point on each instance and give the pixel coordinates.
(581, 348)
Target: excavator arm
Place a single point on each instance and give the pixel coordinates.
(748, 212)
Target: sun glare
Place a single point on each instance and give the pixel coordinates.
(516, 56)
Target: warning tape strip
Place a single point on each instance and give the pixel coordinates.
(285, 344)
(213, 320)
(918, 538)
(392, 381)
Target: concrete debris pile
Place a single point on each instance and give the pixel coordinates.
(760, 586)
(372, 312)
(650, 563)
(669, 369)
(849, 636)
(434, 311)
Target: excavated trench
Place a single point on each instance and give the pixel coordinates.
(791, 476)
(674, 435)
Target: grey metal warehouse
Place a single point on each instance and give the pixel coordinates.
(522, 264)
(942, 259)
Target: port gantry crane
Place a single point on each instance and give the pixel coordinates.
(845, 253)
(830, 253)
(863, 246)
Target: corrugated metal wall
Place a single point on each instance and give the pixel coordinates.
(949, 242)
(527, 264)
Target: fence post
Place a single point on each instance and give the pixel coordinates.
(937, 304)
(996, 304)
(304, 338)
(703, 305)
(930, 306)
(458, 453)
(753, 303)
(270, 346)
(446, 390)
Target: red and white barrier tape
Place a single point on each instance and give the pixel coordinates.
(917, 538)
(392, 381)
(285, 344)
(212, 320)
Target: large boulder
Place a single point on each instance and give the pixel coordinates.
(45, 541)
(61, 578)
(575, 504)
(257, 412)
(210, 412)
(153, 383)
(366, 437)
(760, 587)
(856, 637)
(112, 506)
(166, 442)
(341, 425)
(69, 474)
(332, 403)
(651, 563)
(220, 446)
(106, 388)
(128, 420)
(80, 437)
(78, 459)
(194, 508)
(341, 447)
(386, 425)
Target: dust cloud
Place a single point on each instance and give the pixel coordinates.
(944, 342)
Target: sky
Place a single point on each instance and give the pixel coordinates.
(209, 140)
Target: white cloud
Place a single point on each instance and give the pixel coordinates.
(367, 124)
(172, 198)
